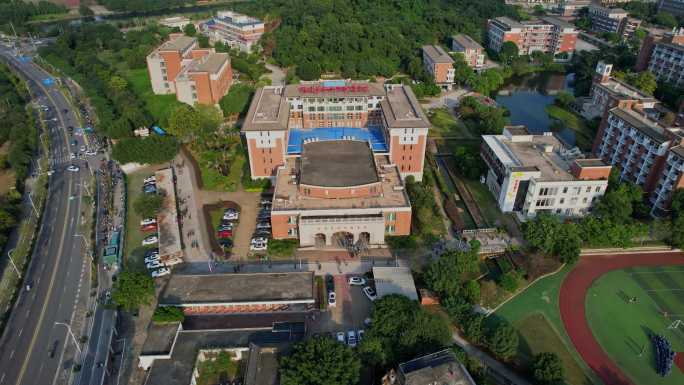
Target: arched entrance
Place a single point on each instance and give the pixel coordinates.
(364, 239)
(343, 239)
(319, 240)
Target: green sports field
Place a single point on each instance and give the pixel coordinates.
(622, 325)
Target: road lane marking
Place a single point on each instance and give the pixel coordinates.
(20, 331)
(2, 379)
(59, 255)
(12, 354)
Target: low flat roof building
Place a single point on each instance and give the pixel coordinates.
(441, 368)
(236, 293)
(529, 174)
(170, 246)
(394, 280)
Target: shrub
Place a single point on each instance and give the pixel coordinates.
(150, 150)
(168, 314)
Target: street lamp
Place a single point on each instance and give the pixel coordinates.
(70, 333)
(9, 254)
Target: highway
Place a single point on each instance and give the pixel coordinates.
(32, 347)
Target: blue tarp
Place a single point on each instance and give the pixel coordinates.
(373, 134)
(24, 59)
(158, 130)
(48, 81)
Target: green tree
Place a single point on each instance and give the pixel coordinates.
(471, 291)
(190, 29)
(473, 327)
(508, 52)
(320, 361)
(446, 274)
(185, 122)
(548, 369)
(148, 205)
(510, 281)
(133, 289)
(309, 71)
(503, 341)
(617, 204)
(564, 99)
(168, 314)
(85, 10)
(645, 81)
(665, 19)
(400, 330)
(236, 101)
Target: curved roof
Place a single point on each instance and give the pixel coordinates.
(337, 163)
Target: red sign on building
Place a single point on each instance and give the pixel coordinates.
(321, 89)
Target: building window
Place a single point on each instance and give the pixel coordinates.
(598, 188)
(389, 229)
(391, 216)
(292, 232)
(588, 188)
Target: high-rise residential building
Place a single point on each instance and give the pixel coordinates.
(439, 65)
(547, 34)
(530, 174)
(675, 7)
(195, 75)
(643, 143)
(472, 51)
(337, 152)
(612, 20)
(663, 55)
(608, 92)
(234, 29)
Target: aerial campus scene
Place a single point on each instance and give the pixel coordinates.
(341, 192)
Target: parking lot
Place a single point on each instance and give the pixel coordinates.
(351, 309)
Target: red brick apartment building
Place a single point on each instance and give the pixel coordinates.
(663, 55)
(337, 152)
(547, 34)
(439, 65)
(195, 75)
(472, 51)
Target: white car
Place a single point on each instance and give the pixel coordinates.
(148, 221)
(370, 293)
(160, 272)
(263, 225)
(73, 168)
(151, 240)
(150, 179)
(91, 152)
(263, 246)
(231, 216)
(256, 240)
(332, 301)
(351, 338)
(72, 155)
(357, 281)
(154, 265)
(340, 337)
(152, 258)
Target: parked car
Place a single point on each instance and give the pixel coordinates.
(74, 143)
(148, 221)
(91, 152)
(225, 234)
(150, 179)
(225, 242)
(150, 189)
(150, 227)
(370, 293)
(332, 302)
(151, 240)
(259, 240)
(351, 338)
(329, 282)
(152, 258)
(263, 225)
(357, 281)
(82, 149)
(152, 252)
(265, 201)
(227, 226)
(72, 155)
(160, 272)
(262, 233)
(263, 246)
(231, 215)
(73, 168)
(359, 334)
(340, 337)
(154, 265)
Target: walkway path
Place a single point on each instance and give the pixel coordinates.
(572, 299)
(496, 368)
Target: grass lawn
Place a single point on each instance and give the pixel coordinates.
(159, 106)
(485, 201)
(134, 252)
(583, 135)
(622, 328)
(534, 313)
(214, 180)
(444, 124)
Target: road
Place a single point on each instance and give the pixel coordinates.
(33, 345)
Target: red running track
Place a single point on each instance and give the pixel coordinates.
(573, 292)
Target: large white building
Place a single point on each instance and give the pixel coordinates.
(529, 174)
(237, 30)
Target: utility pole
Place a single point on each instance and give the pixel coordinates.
(71, 334)
(9, 254)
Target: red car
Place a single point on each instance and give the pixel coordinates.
(225, 234)
(150, 227)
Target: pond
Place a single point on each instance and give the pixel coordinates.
(527, 97)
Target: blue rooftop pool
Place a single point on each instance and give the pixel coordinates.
(372, 134)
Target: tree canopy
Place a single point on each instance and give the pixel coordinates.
(320, 361)
(548, 369)
(133, 289)
(503, 341)
(148, 205)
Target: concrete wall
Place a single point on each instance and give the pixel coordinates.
(266, 152)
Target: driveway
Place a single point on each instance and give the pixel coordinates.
(352, 308)
(277, 75)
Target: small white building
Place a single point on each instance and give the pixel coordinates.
(529, 174)
(394, 280)
(175, 22)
